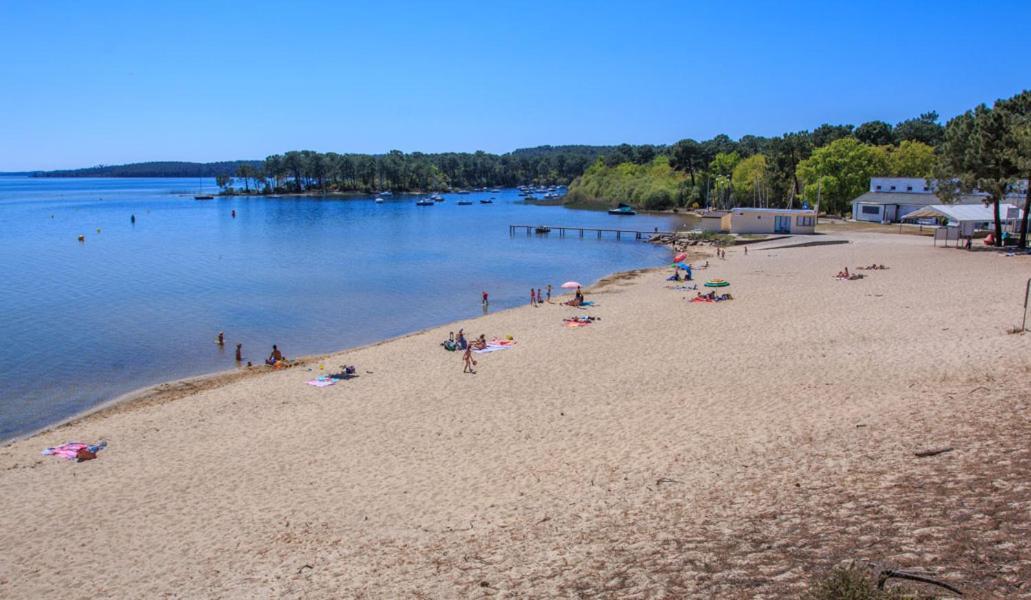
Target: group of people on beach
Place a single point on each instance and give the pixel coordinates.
(537, 298)
(846, 276)
(275, 358)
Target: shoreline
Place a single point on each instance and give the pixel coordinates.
(670, 448)
(175, 389)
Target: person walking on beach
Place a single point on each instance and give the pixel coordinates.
(549, 293)
(540, 298)
(470, 362)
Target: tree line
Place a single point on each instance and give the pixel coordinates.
(301, 171)
(830, 164)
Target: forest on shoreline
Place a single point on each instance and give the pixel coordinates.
(986, 149)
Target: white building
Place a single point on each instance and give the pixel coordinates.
(892, 198)
(770, 220)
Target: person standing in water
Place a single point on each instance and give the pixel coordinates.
(132, 219)
(233, 213)
(485, 301)
(549, 293)
(239, 353)
(533, 298)
(221, 339)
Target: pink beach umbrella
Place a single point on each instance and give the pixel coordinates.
(570, 285)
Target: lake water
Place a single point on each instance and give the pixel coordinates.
(137, 304)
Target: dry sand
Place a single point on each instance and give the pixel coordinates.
(669, 450)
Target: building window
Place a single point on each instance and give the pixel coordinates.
(804, 221)
(878, 188)
(909, 188)
(871, 210)
(893, 188)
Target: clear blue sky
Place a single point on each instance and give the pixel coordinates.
(112, 82)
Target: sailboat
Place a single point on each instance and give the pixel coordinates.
(200, 191)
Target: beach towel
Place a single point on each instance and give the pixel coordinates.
(492, 348)
(322, 381)
(705, 300)
(72, 450)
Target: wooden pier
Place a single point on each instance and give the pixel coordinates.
(583, 231)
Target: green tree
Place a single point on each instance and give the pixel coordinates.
(875, 133)
(981, 151)
(688, 155)
(840, 171)
(911, 159)
(1019, 108)
(924, 128)
(749, 180)
(827, 133)
(783, 156)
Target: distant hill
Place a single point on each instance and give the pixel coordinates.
(154, 169)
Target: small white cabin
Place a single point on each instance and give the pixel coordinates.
(771, 220)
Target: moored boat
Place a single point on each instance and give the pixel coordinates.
(623, 209)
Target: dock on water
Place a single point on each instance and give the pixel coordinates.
(583, 231)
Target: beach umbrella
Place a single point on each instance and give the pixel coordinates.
(680, 257)
(571, 285)
(716, 283)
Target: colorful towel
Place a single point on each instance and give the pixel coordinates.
(322, 382)
(70, 450)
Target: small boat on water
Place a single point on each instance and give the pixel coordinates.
(424, 203)
(200, 191)
(386, 193)
(623, 209)
(462, 192)
(464, 202)
(486, 202)
(437, 198)
(495, 191)
(379, 200)
(541, 229)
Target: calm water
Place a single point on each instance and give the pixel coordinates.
(139, 304)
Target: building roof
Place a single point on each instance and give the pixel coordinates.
(786, 211)
(964, 212)
(911, 198)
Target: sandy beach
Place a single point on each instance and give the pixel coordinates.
(670, 449)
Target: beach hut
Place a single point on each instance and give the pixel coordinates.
(772, 220)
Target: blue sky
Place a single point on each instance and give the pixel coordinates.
(111, 82)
